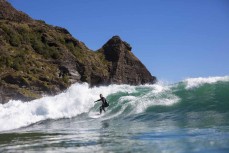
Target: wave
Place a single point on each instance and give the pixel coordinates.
(193, 94)
(196, 82)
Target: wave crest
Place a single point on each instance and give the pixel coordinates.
(125, 100)
(196, 82)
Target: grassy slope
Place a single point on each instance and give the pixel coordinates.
(31, 53)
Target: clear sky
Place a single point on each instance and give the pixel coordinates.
(175, 39)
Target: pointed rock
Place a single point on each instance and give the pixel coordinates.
(113, 48)
(126, 68)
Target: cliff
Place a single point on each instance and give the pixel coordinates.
(124, 68)
(37, 59)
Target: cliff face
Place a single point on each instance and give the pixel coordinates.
(37, 58)
(125, 68)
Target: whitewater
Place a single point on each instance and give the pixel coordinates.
(188, 116)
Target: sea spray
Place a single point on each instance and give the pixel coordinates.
(208, 95)
(196, 82)
(78, 99)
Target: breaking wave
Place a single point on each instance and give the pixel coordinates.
(191, 95)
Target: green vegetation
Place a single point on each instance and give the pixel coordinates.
(19, 35)
(31, 54)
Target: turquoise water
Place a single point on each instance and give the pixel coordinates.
(189, 116)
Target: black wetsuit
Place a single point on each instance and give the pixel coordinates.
(104, 104)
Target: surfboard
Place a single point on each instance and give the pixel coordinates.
(95, 114)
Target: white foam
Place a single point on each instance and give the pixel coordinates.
(159, 94)
(159, 87)
(196, 82)
(79, 98)
(147, 101)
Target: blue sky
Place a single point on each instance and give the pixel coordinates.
(175, 39)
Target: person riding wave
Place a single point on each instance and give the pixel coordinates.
(104, 103)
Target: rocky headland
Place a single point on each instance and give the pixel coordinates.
(37, 58)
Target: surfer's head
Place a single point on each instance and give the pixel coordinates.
(101, 95)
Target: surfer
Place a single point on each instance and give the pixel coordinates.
(104, 103)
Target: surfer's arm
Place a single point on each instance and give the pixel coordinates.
(97, 100)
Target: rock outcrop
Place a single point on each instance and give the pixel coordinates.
(124, 68)
(37, 59)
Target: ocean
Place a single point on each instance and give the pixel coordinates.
(189, 116)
